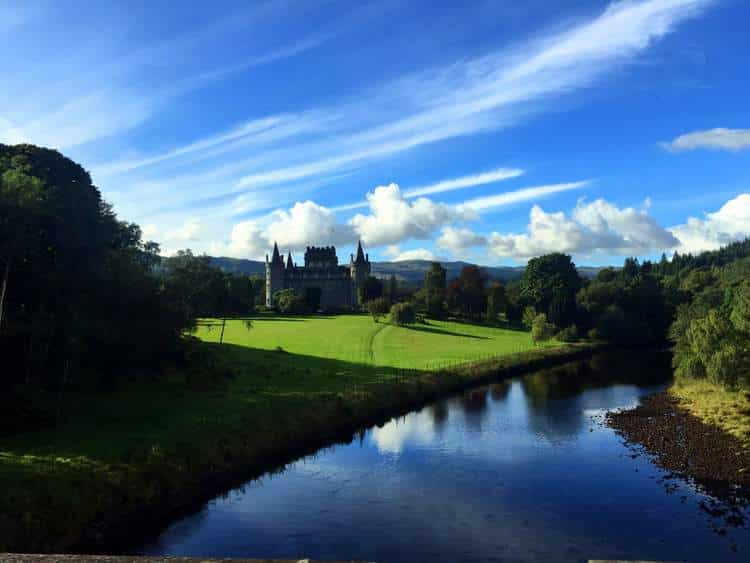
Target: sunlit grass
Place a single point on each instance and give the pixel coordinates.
(716, 405)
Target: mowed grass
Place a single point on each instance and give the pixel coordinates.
(360, 341)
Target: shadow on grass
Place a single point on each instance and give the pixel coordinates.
(436, 330)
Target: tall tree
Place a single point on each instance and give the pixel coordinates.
(435, 278)
(467, 292)
(552, 279)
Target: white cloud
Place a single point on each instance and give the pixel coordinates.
(596, 227)
(246, 241)
(307, 223)
(491, 177)
(497, 175)
(186, 232)
(713, 139)
(481, 204)
(414, 254)
(392, 219)
(458, 240)
(730, 223)
(468, 97)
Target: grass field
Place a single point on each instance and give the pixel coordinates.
(360, 341)
(290, 376)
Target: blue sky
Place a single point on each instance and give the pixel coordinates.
(488, 131)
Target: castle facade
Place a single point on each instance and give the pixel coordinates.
(321, 279)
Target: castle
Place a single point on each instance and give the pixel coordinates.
(321, 279)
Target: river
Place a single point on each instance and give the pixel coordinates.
(522, 469)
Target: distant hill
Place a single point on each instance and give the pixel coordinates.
(408, 271)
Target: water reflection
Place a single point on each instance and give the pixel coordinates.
(514, 470)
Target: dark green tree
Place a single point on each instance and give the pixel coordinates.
(552, 280)
(467, 294)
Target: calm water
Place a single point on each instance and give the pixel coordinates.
(519, 470)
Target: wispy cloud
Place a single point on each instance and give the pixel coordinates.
(491, 92)
(713, 139)
(482, 204)
(497, 175)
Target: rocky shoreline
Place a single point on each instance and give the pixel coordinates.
(686, 447)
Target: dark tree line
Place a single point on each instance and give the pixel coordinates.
(84, 299)
(79, 299)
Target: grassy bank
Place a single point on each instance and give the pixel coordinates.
(716, 405)
(139, 454)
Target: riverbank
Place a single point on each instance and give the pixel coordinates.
(682, 432)
(57, 498)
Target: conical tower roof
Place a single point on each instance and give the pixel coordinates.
(276, 259)
(289, 263)
(360, 253)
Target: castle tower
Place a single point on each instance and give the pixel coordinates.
(360, 271)
(274, 275)
(289, 263)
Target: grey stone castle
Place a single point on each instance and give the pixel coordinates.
(321, 279)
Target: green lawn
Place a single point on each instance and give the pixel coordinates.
(289, 374)
(360, 341)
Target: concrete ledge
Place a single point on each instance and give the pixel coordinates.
(33, 558)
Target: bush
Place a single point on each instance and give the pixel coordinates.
(568, 334)
(291, 302)
(403, 314)
(378, 307)
(541, 330)
(529, 315)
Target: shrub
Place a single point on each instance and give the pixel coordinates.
(403, 314)
(378, 307)
(289, 301)
(568, 334)
(529, 315)
(541, 330)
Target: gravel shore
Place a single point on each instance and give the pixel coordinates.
(685, 446)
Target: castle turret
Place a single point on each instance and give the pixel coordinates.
(274, 275)
(289, 263)
(360, 271)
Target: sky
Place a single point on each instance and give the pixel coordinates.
(488, 131)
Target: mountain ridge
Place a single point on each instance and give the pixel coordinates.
(407, 271)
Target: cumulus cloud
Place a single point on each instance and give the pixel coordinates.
(713, 139)
(186, 232)
(414, 254)
(393, 219)
(458, 240)
(730, 223)
(305, 222)
(594, 227)
(246, 241)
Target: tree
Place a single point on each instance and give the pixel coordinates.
(403, 314)
(552, 279)
(529, 315)
(435, 307)
(392, 292)
(378, 308)
(290, 301)
(78, 288)
(467, 292)
(497, 301)
(541, 330)
(372, 288)
(435, 278)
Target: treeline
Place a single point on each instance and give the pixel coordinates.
(700, 303)
(629, 305)
(83, 298)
